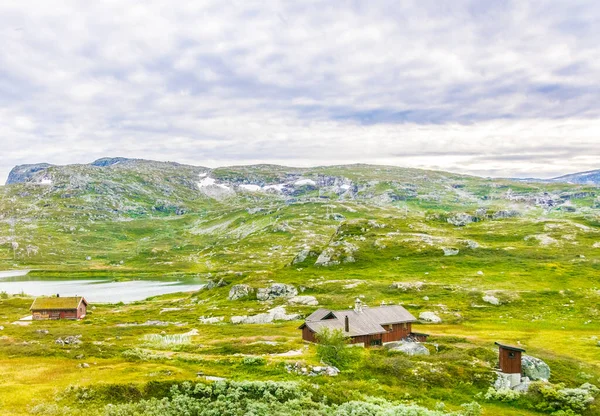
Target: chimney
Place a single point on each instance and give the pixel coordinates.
(358, 307)
(58, 295)
(347, 324)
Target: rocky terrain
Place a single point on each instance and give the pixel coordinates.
(476, 260)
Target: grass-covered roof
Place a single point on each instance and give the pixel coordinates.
(57, 303)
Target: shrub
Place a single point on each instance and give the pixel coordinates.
(555, 398)
(254, 361)
(501, 395)
(332, 347)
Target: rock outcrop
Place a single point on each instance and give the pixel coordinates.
(534, 368)
(240, 291)
(23, 173)
(430, 317)
(303, 300)
(276, 290)
(409, 348)
(276, 314)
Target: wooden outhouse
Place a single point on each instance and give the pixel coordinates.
(59, 308)
(510, 358)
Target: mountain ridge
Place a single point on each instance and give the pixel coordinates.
(29, 172)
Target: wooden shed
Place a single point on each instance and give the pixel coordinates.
(510, 358)
(59, 308)
(363, 325)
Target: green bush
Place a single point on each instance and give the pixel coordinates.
(332, 348)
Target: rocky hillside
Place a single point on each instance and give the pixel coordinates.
(586, 178)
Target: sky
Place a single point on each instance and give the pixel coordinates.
(490, 88)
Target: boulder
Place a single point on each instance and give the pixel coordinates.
(409, 348)
(491, 299)
(407, 285)
(450, 251)
(275, 314)
(430, 317)
(276, 290)
(534, 368)
(461, 219)
(303, 300)
(240, 291)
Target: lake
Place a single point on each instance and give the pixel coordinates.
(94, 290)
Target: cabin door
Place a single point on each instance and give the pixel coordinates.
(62, 315)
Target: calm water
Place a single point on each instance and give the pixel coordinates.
(94, 290)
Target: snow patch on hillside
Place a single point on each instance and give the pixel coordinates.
(250, 188)
(303, 182)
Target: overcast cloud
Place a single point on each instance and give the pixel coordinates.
(496, 88)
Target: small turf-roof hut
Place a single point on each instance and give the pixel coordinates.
(368, 326)
(59, 308)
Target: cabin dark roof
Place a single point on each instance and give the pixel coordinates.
(56, 303)
(509, 347)
(369, 321)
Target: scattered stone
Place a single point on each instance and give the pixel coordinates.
(84, 365)
(425, 297)
(472, 244)
(461, 219)
(303, 300)
(312, 371)
(275, 314)
(163, 310)
(152, 323)
(1, 328)
(491, 299)
(534, 368)
(450, 251)
(430, 317)
(70, 340)
(479, 273)
(505, 214)
(42, 331)
(409, 348)
(211, 320)
(276, 290)
(240, 291)
(214, 378)
(407, 285)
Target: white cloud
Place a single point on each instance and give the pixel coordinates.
(303, 83)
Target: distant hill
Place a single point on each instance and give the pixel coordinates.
(591, 177)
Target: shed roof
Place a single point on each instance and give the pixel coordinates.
(57, 303)
(369, 321)
(509, 347)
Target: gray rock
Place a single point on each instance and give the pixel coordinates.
(450, 251)
(303, 300)
(275, 314)
(461, 219)
(23, 173)
(410, 348)
(276, 290)
(240, 291)
(534, 368)
(505, 214)
(430, 317)
(491, 299)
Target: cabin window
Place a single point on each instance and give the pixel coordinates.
(375, 342)
(511, 354)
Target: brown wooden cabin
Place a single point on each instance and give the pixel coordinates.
(510, 358)
(369, 326)
(59, 308)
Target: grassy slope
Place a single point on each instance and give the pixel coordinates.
(532, 263)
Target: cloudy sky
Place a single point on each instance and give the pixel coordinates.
(493, 88)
